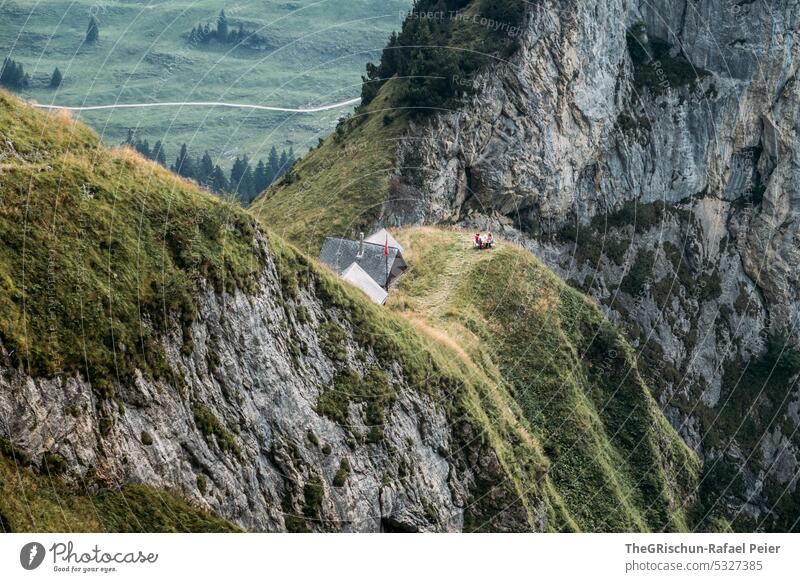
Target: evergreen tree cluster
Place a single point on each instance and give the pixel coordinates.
(156, 153)
(13, 76)
(221, 32)
(244, 180)
(432, 72)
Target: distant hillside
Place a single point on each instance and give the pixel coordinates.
(294, 54)
(155, 338)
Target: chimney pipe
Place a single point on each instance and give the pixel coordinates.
(361, 245)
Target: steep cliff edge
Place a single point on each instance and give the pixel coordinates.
(648, 153)
(158, 344)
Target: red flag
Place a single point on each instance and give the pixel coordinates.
(386, 256)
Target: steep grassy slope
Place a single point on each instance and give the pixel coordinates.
(437, 368)
(339, 187)
(36, 500)
(613, 458)
(100, 249)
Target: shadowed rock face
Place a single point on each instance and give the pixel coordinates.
(682, 169)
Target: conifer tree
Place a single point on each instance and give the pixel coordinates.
(237, 171)
(273, 165)
(247, 190)
(13, 75)
(242, 179)
(56, 78)
(222, 27)
(183, 164)
(205, 170)
(218, 182)
(282, 164)
(93, 31)
(159, 155)
(260, 177)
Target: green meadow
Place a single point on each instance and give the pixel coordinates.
(313, 53)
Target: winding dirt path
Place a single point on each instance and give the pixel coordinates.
(203, 104)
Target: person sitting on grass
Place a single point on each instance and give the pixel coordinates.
(489, 240)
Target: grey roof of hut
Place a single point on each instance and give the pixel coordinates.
(383, 236)
(340, 253)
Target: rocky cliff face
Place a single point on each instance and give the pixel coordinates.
(239, 429)
(648, 152)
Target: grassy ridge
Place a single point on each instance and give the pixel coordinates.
(100, 249)
(613, 459)
(437, 367)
